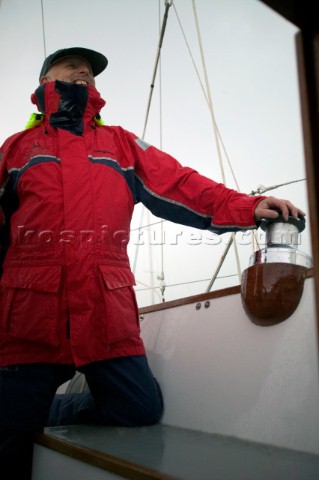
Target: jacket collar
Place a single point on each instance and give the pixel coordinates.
(67, 105)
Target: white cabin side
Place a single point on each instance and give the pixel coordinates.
(222, 374)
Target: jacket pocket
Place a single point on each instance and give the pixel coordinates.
(121, 320)
(30, 304)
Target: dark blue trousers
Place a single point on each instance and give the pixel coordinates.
(122, 391)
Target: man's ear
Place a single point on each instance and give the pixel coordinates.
(43, 80)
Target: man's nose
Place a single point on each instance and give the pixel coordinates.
(83, 69)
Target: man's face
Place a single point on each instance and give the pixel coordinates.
(71, 69)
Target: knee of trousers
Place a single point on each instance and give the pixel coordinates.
(150, 414)
(147, 412)
(133, 413)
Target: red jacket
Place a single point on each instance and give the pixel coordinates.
(68, 189)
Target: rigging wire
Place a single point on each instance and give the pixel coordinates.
(161, 276)
(205, 95)
(168, 4)
(182, 283)
(217, 138)
(147, 287)
(146, 226)
(261, 189)
(43, 30)
(219, 141)
(208, 92)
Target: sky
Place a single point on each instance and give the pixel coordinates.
(250, 58)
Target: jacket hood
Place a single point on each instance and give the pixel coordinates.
(67, 105)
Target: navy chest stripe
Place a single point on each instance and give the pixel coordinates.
(34, 161)
(110, 162)
(126, 172)
(16, 172)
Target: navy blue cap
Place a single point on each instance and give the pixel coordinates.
(97, 61)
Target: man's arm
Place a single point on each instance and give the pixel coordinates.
(181, 195)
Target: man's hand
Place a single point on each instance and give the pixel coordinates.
(271, 207)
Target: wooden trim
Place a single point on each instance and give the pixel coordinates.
(307, 46)
(192, 299)
(202, 297)
(301, 13)
(101, 460)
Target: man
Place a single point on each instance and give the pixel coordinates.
(68, 190)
